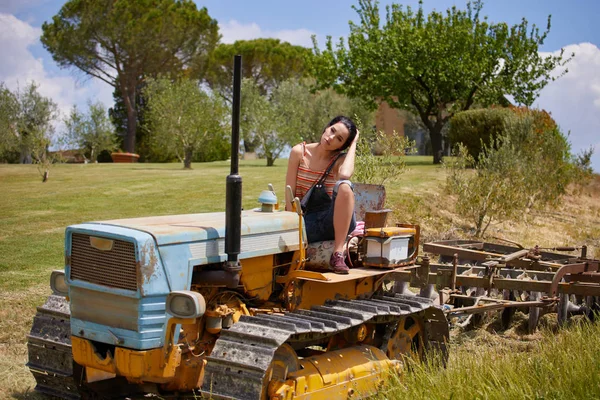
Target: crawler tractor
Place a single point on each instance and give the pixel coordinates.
(229, 305)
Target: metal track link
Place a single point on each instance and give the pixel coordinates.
(238, 366)
(49, 348)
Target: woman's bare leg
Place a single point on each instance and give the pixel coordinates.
(342, 215)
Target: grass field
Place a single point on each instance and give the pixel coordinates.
(33, 216)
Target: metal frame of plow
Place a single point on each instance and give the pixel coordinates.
(543, 279)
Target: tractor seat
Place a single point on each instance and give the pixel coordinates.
(369, 201)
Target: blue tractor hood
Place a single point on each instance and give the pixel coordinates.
(187, 228)
(199, 239)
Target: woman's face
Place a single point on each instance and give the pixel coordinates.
(334, 137)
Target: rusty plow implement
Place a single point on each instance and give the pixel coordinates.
(471, 278)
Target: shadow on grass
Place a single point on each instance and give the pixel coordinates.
(242, 166)
(28, 395)
(428, 163)
(169, 169)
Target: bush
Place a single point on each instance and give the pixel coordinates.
(490, 192)
(386, 167)
(476, 128)
(528, 166)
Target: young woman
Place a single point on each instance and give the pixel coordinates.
(307, 163)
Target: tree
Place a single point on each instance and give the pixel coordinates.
(35, 118)
(27, 126)
(9, 136)
(544, 154)
(327, 104)
(92, 132)
(258, 122)
(492, 192)
(436, 65)
(183, 119)
(291, 113)
(293, 101)
(303, 114)
(35, 128)
(267, 62)
(123, 42)
(476, 128)
(583, 162)
(118, 117)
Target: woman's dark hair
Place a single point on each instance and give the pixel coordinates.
(349, 124)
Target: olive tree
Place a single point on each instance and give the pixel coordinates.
(91, 132)
(258, 122)
(27, 126)
(267, 63)
(435, 65)
(389, 165)
(302, 113)
(182, 119)
(491, 191)
(9, 111)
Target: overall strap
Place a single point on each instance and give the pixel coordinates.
(329, 167)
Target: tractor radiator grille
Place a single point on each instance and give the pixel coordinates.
(114, 268)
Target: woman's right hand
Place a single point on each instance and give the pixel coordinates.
(355, 141)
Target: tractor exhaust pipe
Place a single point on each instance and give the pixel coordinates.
(233, 196)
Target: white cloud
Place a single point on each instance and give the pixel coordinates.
(19, 67)
(574, 99)
(233, 30)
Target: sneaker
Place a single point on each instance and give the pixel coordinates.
(338, 263)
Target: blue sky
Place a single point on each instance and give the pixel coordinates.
(573, 100)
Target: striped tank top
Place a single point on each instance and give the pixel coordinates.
(306, 177)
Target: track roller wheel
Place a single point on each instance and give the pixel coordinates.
(406, 339)
(284, 361)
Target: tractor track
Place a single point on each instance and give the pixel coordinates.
(49, 348)
(238, 365)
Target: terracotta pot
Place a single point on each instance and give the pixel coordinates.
(124, 157)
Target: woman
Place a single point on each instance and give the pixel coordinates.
(307, 163)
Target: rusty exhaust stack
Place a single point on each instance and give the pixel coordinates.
(233, 197)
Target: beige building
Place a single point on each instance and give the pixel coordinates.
(388, 119)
